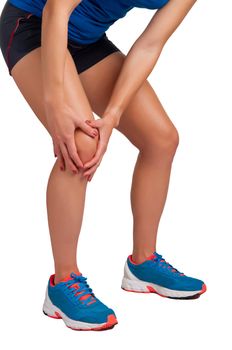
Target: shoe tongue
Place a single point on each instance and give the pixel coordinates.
(69, 277)
(152, 256)
(76, 286)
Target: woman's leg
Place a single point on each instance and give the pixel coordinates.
(157, 143)
(146, 124)
(65, 191)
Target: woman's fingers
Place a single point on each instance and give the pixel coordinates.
(94, 123)
(99, 154)
(59, 155)
(93, 168)
(55, 148)
(65, 149)
(62, 161)
(105, 127)
(90, 177)
(68, 161)
(71, 146)
(91, 171)
(91, 131)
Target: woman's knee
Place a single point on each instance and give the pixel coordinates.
(86, 145)
(164, 144)
(169, 140)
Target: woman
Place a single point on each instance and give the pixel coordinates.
(64, 81)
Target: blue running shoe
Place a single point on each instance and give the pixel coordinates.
(73, 301)
(155, 275)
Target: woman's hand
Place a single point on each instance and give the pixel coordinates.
(62, 122)
(105, 126)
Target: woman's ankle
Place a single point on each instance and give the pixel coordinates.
(140, 256)
(62, 274)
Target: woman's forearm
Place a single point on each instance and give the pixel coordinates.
(54, 39)
(137, 66)
(144, 54)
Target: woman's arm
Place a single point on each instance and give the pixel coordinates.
(144, 54)
(62, 119)
(54, 40)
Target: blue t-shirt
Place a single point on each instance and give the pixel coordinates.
(91, 18)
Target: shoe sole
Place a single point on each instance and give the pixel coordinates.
(147, 287)
(50, 310)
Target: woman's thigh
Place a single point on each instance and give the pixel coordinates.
(144, 122)
(27, 75)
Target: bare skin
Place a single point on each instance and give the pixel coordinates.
(154, 135)
(129, 102)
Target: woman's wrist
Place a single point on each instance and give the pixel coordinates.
(113, 116)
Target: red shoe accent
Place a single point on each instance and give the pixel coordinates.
(111, 322)
(131, 260)
(204, 289)
(56, 315)
(151, 257)
(51, 280)
(67, 278)
(152, 290)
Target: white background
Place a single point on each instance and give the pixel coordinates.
(193, 81)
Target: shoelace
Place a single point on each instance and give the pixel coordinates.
(80, 290)
(162, 262)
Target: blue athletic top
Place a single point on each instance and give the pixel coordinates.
(91, 18)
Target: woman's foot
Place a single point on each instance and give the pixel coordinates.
(155, 275)
(74, 301)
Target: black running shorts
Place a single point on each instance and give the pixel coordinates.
(20, 33)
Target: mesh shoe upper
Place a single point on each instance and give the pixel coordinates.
(156, 270)
(75, 298)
